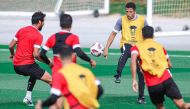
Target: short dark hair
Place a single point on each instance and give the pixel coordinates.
(148, 32)
(65, 20)
(38, 16)
(130, 5)
(65, 51)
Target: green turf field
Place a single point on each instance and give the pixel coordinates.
(116, 96)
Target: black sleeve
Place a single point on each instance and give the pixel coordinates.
(50, 101)
(81, 54)
(100, 91)
(43, 56)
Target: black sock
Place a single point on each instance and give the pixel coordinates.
(31, 83)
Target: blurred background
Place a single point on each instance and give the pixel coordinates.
(95, 19)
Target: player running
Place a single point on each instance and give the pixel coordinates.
(77, 84)
(28, 40)
(155, 64)
(64, 37)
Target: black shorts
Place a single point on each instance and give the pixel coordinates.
(168, 88)
(33, 70)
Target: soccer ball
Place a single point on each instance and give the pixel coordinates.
(96, 49)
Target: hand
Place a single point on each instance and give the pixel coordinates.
(92, 63)
(11, 57)
(38, 104)
(105, 53)
(135, 86)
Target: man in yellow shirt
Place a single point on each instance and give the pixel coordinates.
(154, 62)
(130, 26)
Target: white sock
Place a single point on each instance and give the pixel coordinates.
(28, 95)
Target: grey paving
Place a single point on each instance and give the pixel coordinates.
(92, 30)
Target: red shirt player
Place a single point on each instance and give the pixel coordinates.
(154, 62)
(64, 37)
(28, 40)
(60, 85)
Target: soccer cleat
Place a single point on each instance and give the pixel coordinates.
(117, 78)
(28, 102)
(141, 101)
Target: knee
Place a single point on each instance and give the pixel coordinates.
(47, 78)
(182, 106)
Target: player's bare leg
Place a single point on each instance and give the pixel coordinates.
(58, 104)
(160, 106)
(181, 104)
(47, 78)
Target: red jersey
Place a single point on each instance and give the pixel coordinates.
(72, 40)
(150, 79)
(60, 87)
(27, 38)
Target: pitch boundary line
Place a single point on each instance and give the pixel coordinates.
(118, 54)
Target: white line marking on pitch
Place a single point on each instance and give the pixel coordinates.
(118, 54)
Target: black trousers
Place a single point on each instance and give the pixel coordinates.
(126, 53)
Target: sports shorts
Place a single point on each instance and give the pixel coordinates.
(168, 88)
(33, 70)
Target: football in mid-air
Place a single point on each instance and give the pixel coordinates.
(96, 49)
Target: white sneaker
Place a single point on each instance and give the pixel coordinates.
(28, 102)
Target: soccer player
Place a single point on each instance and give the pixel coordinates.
(130, 26)
(64, 37)
(77, 85)
(28, 40)
(155, 64)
